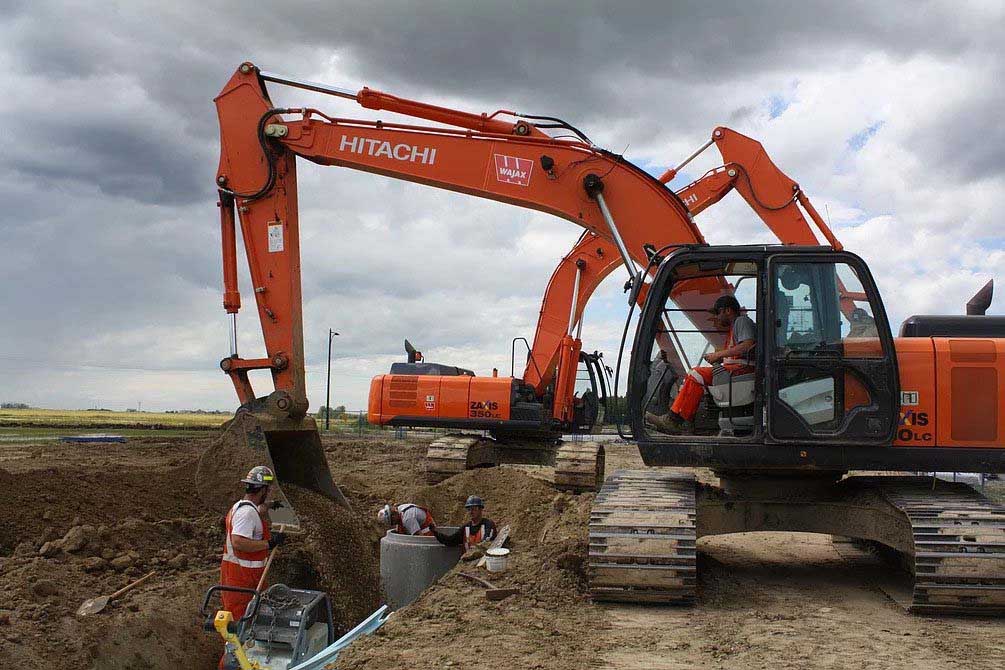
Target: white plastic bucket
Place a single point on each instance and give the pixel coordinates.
(495, 559)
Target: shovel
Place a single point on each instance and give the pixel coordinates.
(491, 592)
(95, 605)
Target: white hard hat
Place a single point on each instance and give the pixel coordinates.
(384, 515)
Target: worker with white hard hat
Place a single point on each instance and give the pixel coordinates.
(407, 519)
(249, 540)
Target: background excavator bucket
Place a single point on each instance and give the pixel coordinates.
(291, 447)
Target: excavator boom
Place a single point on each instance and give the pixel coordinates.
(626, 214)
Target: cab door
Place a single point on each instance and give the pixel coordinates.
(831, 370)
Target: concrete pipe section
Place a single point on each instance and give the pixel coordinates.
(409, 564)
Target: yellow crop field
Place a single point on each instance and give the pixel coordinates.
(62, 420)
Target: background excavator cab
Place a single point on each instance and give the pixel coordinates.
(591, 399)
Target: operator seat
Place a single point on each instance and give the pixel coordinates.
(733, 394)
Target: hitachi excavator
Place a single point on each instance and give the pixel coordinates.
(526, 415)
(831, 391)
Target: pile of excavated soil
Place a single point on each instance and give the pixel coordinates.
(72, 532)
(452, 624)
(228, 458)
(334, 554)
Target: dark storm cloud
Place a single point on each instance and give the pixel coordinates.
(108, 149)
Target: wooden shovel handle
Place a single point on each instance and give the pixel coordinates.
(268, 564)
(479, 580)
(130, 587)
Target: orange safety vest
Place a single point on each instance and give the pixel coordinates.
(735, 362)
(423, 528)
(241, 568)
(470, 539)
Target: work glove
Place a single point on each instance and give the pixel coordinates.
(277, 540)
(276, 504)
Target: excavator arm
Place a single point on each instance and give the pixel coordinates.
(489, 156)
(747, 168)
(592, 188)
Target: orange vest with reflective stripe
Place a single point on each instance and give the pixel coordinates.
(246, 559)
(471, 540)
(241, 568)
(735, 362)
(423, 527)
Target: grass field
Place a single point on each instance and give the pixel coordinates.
(35, 423)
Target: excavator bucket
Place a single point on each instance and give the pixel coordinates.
(290, 446)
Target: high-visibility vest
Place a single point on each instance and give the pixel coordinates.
(246, 559)
(241, 568)
(744, 361)
(423, 528)
(471, 539)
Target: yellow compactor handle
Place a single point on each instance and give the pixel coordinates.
(222, 623)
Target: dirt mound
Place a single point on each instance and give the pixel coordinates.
(71, 533)
(334, 554)
(549, 532)
(240, 447)
(45, 504)
(511, 497)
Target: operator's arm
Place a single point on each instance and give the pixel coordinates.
(744, 330)
(735, 351)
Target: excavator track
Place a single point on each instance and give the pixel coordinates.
(959, 546)
(642, 538)
(448, 456)
(579, 466)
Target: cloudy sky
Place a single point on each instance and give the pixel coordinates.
(886, 113)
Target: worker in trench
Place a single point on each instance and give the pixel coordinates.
(249, 540)
(407, 519)
(735, 358)
(474, 535)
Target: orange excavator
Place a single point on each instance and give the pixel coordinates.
(527, 415)
(831, 392)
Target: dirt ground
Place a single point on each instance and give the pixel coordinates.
(83, 520)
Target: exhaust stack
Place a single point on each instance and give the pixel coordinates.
(978, 305)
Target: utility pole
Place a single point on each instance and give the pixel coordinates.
(328, 389)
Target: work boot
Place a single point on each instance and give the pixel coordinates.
(664, 423)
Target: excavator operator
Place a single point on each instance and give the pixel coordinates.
(735, 358)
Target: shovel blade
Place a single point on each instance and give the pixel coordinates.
(92, 606)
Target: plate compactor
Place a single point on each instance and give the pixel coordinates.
(282, 627)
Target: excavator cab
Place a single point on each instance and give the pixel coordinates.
(823, 368)
(590, 400)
